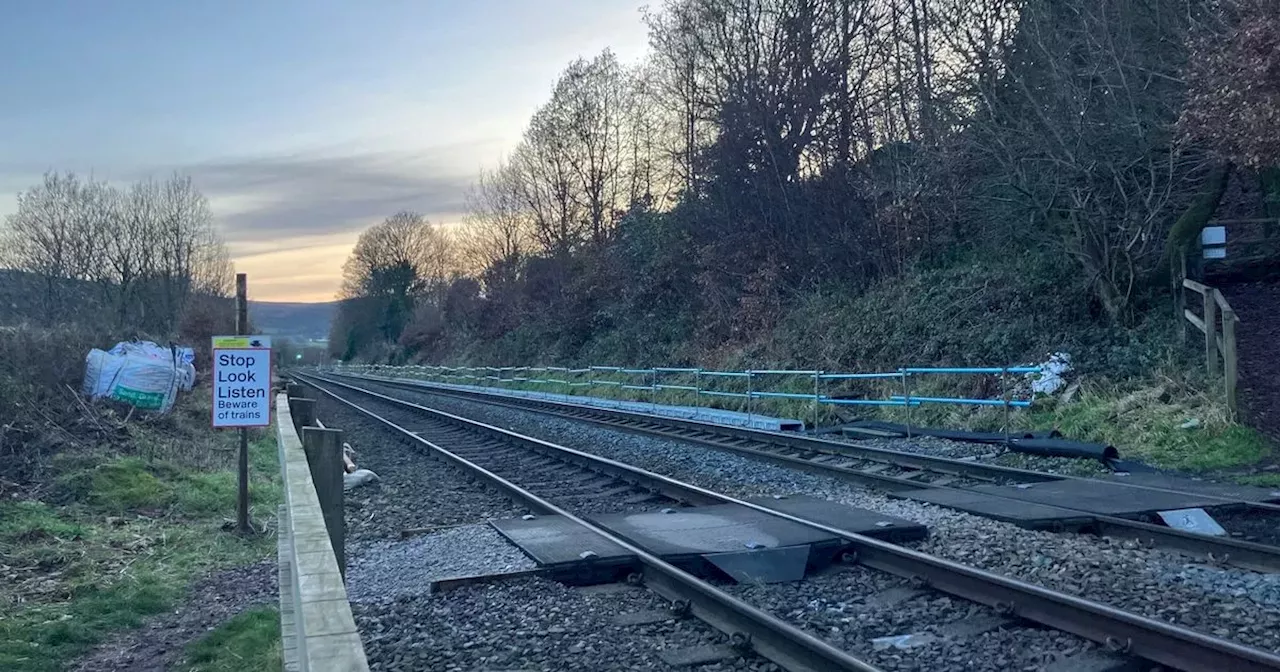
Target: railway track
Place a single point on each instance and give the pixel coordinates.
(899, 473)
(506, 459)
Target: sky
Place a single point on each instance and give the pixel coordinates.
(302, 121)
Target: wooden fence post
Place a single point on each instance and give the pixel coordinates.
(1180, 299)
(324, 454)
(1230, 368)
(1211, 333)
(242, 466)
(303, 411)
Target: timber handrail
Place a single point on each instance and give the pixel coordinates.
(1196, 287)
(1214, 344)
(317, 628)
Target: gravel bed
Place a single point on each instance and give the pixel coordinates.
(1257, 527)
(981, 452)
(842, 607)
(1107, 570)
(388, 570)
(412, 491)
(544, 476)
(1065, 466)
(528, 624)
(514, 624)
(1261, 588)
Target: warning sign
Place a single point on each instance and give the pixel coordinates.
(241, 381)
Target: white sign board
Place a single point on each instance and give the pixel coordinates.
(1213, 235)
(1215, 253)
(241, 381)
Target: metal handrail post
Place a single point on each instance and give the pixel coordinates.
(697, 384)
(1004, 396)
(653, 391)
(816, 378)
(906, 397)
(750, 406)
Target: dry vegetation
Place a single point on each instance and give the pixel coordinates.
(107, 513)
(850, 185)
(770, 155)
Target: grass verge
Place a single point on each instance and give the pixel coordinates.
(118, 539)
(1166, 424)
(1144, 418)
(250, 642)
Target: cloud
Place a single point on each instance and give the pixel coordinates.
(290, 220)
(307, 271)
(273, 198)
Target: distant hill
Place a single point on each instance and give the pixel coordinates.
(300, 320)
(21, 299)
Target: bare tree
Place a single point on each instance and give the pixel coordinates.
(771, 147)
(590, 100)
(394, 264)
(1234, 78)
(547, 185)
(1080, 124)
(497, 226)
(138, 254)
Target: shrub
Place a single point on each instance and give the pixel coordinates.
(40, 374)
(985, 313)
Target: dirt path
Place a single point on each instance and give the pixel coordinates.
(158, 645)
(1258, 307)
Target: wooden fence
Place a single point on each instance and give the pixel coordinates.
(317, 629)
(1215, 343)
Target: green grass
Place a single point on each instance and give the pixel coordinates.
(247, 643)
(44, 637)
(27, 521)
(1268, 480)
(1143, 418)
(128, 536)
(127, 485)
(123, 485)
(1147, 423)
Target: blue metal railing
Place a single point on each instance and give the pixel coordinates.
(704, 383)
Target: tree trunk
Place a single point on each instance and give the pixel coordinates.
(1184, 232)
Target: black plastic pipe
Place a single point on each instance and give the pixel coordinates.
(1064, 448)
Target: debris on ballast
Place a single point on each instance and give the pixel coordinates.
(903, 642)
(348, 455)
(358, 478)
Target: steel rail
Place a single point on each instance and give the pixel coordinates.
(944, 465)
(747, 626)
(1223, 550)
(1120, 631)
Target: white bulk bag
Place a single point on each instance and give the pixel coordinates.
(136, 378)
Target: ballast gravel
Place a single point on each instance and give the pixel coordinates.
(412, 491)
(857, 609)
(512, 624)
(981, 452)
(574, 488)
(529, 624)
(1115, 572)
(388, 570)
